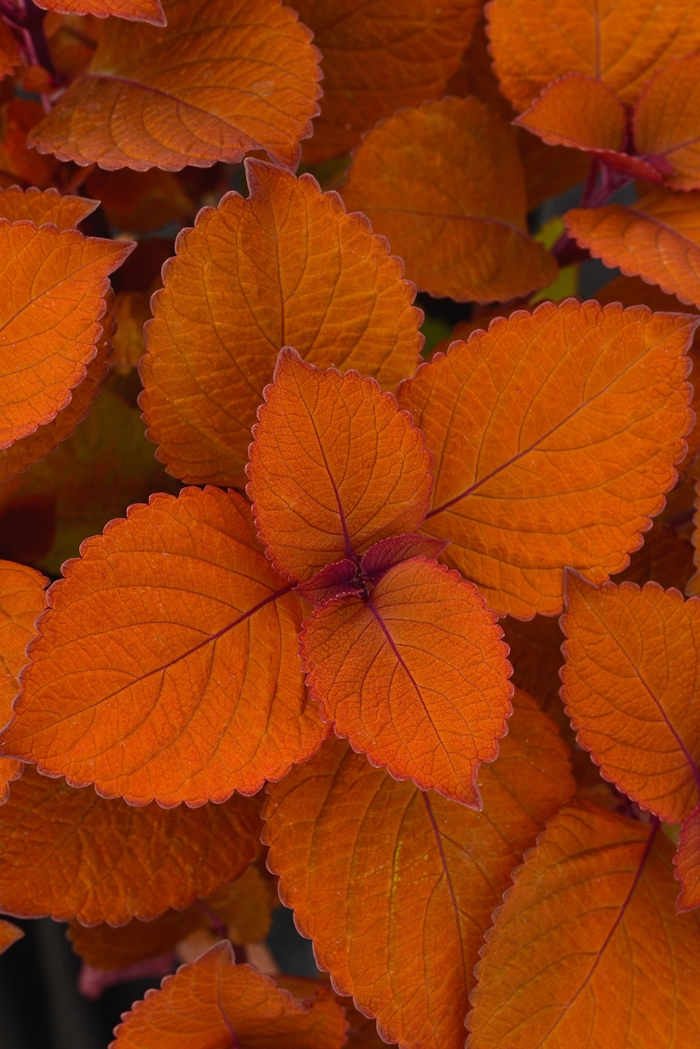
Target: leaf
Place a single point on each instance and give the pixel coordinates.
(687, 862)
(629, 685)
(223, 78)
(414, 675)
(20, 455)
(397, 886)
(536, 41)
(64, 212)
(9, 52)
(665, 558)
(22, 600)
(140, 201)
(63, 853)
(379, 57)
(511, 418)
(135, 10)
(194, 688)
(131, 311)
(587, 948)
(666, 121)
(535, 655)
(657, 239)
(17, 118)
(9, 934)
(214, 1002)
(287, 266)
(52, 295)
(457, 218)
(335, 467)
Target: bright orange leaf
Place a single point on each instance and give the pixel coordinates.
(510, 418)
(687, 862)
(135, 10)
(397, 886)
(622, 44)
(287, 266)
(457, 218)
(64, 212)
(9, 934)
(194, 688)
(379, 57)
(666, 121)
(223, 78)
(214, 1002)
(335, 467)
(414, 675)
(52, 296)
(587, 948)
(629, 685)
(63, 852)
(658, 239)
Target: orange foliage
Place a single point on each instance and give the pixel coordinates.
(136, 10)
(212, 1001)
(9, 934)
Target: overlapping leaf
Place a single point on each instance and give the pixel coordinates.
(415, 676)
(287, 266)
(536, 41)
(456, 217)
(588, 949)
(666, 121)
(687, 862)
(658, 239)
(222, 78)
(397, 886)
(167, 666)
(213, 1002)
(64, 212)
(135, 10)
(379, 57)
(512, 418)
(63, 852)
(9, 934)
(335, 467)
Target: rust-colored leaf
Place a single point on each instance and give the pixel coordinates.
(630, 683)
(397, 886)
(17, 162)
(131, 311)
(414, 675)
(134, 10)
(63, 852)
(665, 558)
(52, 296)
(194, 688)
(64, 212)
(140, 201)
(9, 52)
(666, 121)
(535, 655)
(687, 862)
(456, 217)
(224, 77)
(213, 1002)
(245, 905)
(658, 239)
(287, 266)
(335, 467)
(510, 418)
(9, 934)
(622, 44)
(587, 948)
(379, 57)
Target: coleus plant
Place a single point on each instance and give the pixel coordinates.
(316, 612)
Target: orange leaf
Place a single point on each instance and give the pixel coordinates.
(167, 665)
(22, 600)
(397, 886)
(63, 852)
(510, 418)
(536, 41)
(379, 57)
(665, 558)
(414, 675)
(223, 78)
(587, 948)
(457, 217)
(106, 948)
(64, 212)
(687, 862)
(213, 1002)
(140, 201)
(287, 266)
(131, 311)
(52, 295)
(658, 238)
(9, 52)
(9, 934)
(335, 467)
(629, 684)
(666, 121)
(135, 10)
(17, 118)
